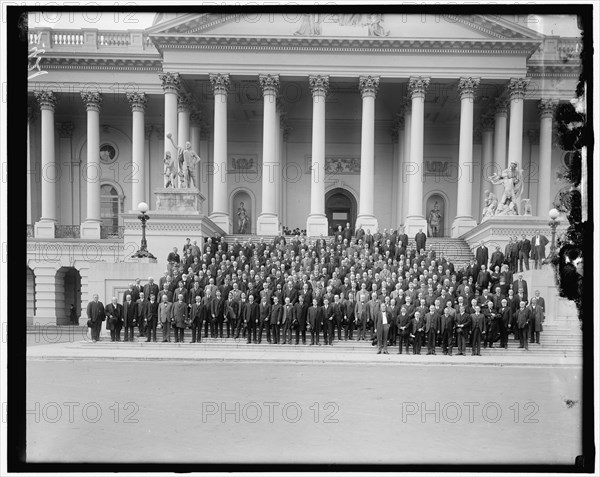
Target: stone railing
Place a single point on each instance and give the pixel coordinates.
(111, 232)
(569, 48)
(90, 40)
(67, 231)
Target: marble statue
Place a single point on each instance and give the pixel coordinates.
(168, 171)
(435, 218)
(490, 204)
(242, 219)
(187, 159)
(512, 181)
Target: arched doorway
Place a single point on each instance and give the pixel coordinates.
(340, 208)
(30, 299)
(242, 204)
(436, 199)
(68, 291)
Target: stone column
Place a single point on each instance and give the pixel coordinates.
(317, 223)
(90, 229)
(45, 227)
(546, 108)
(463, 222)
(368, 86)
(268, 221)
(171, 83)
(487, 157)
(398, 137)
(66, 201)
(220, 204)
(138, 186)
(195, 118)
(415, 221)
(149, 171)
(517, 88)
(406, 163)
(279, 114)
(500, 122)
(30, 174)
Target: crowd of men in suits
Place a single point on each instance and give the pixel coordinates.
(369, 286)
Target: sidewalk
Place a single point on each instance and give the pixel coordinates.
(232, 351)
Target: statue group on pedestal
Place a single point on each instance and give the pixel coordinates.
(181, 173)
(511, 179)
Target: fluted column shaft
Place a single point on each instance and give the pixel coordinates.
(93, 102)
(171, 83)
(138, 138)
(406, 161)
(500, 126)
(517, 88)
(220, 215)
(546, 107)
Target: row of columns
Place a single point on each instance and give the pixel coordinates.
(410, 150)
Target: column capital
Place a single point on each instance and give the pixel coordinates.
(547, 107)
(368, 85)
(517, 88)
(477, 136)
(487, 121)
(467, 86)
(31, 116)
(319, 85)
(501, 106)
(280, 106)
(65, 130)
(92, 100)
(148, 128)
(417, 86)
(283, 119)
(184, 102)
(397, 126)
(46, 99)
(220, 82)
(269, 84)
(137, 101)
(171, 82)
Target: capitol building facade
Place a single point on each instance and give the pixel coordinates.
(294, 121)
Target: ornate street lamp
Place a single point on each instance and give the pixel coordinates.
(554, 214)
(143, 251)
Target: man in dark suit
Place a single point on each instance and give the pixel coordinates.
(180, 309)
(538, 246)
(150, 288)
(447, 331)
(537, 318)
(129, 317)
(197, 315)
(481, 255)
(314, 321)
(497, 259)
(420, 240)
(217, 306)
(286, 321)
(463, 325)
(418, 325)
(348, 317)
(483, 279)
(328, 317)
(114, 319)
(360, 312)
(96, 314)
(264, 318)
(300, 314)
(524, 250)
(523, 319)
(403, 325)
(141, 314)
(432, 328)
(275, 319)
(478, 327)
(151, 318)
(520, 284)
(250, 317)
(382, 327)
(505, 315)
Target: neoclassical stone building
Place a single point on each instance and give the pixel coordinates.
(310, 120)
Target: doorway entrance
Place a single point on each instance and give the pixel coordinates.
(340, 208)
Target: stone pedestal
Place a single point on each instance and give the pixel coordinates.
(461, 225)
(90, 229)
(367, 222)
(44, 229)
(187, 200)
(177, 216)
(267, 224)
(317, 225)
(413, 224)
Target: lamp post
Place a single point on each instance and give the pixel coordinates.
(554, 214)
(143, 251)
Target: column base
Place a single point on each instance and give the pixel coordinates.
(317, 225)
(221, 220)
(90, 229)
(462, 225)
(413, 224)
(45, 228)
(367, 222)
(267, 224)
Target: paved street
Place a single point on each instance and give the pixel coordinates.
(169, 411)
